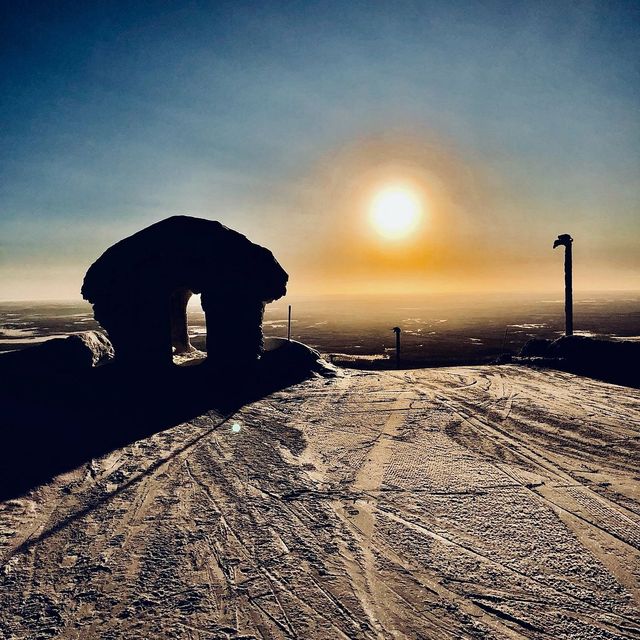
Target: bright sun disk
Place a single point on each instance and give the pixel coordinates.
(395, 212)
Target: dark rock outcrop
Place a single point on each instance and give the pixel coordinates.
(289, 360)
(613, 360)
(75, 353)
(535, 348)
(140, 288)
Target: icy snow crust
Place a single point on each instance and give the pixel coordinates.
(486, 502)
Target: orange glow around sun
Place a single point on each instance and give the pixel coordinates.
(395, 211)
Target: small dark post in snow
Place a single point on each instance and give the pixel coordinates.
(289, 325)
(397, 331)
(565, 240)
(504, 340)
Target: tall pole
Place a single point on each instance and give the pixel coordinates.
(397, 331)
(566, 240)
(289, 325)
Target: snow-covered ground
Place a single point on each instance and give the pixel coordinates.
(464, 502)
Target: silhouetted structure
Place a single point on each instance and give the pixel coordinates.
(67, 401)
(140, 288)
(565, 240)
(397, 331)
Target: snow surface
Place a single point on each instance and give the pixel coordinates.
(486, 502)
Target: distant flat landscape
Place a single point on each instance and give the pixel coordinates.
(436, 328)
(480, 502)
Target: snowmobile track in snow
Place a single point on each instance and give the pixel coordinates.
(467, 502)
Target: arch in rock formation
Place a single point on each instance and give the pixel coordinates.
(140, 288)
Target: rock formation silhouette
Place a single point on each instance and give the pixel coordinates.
(69, 400)
(141, 285)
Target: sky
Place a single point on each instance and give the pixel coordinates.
(510, 122)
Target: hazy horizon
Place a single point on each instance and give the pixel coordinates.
(557, 294)
(436, 328)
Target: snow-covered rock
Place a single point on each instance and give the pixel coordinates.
(76, 352)
(289, 358)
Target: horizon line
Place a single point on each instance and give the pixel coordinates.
(511, 292)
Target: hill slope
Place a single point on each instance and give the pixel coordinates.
(463, 502)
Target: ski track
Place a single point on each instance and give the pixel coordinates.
(468, 502)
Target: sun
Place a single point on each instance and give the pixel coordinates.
(395, 211)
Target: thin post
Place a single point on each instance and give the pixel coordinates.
(566, 240)
(397, 331)
(289, 325)
(568, 289)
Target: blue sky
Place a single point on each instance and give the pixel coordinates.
(114, 117)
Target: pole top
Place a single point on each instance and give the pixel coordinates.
(563, 239)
